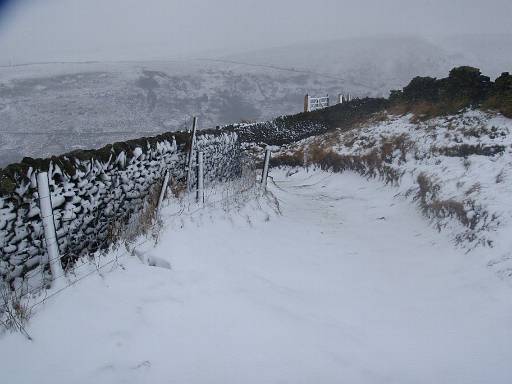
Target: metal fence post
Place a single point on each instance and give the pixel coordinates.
(191, 153)
(200, 178)
(264, 174)
(50, 236)
(162, 193)
(306, 103)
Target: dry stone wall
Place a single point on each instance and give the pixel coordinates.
(92, 196)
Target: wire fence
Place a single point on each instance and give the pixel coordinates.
(231, 190)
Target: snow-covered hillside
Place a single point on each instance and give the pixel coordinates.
(344, 282)
(51, 108)
(456, 169)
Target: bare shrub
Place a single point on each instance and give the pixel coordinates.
(466, 163)
(14, 311)
(389, 145)
(500, 177)
(427, 191)
(295, 159)
(477, 132)
(425, 110)
(114, 233)
(144, 222)
(471, 215)
(465, 150)
(432, 207)
(379, 117)
(177, 187)
(369, 165)
(349, 139)
(398, 109)
(475, 188)
(441, 209)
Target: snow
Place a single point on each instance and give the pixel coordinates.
(348, 284)
(435, 148)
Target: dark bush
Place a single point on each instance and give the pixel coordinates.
(503, 84)
(464, 87)
(466, 83)
(422, 89)
(500, 98)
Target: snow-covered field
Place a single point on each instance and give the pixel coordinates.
(348, 284)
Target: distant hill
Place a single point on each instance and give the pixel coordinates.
(52, 108)
(374, 65)
(49, 109)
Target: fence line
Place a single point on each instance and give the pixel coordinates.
(74, 234)
(96, 198)
(264, 174)
(191, 152)
(64, 274)
(55, 258)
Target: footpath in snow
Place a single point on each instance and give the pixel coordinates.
(348, 285)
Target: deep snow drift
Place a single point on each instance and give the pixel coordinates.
(348, 284)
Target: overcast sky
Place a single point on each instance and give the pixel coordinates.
(39, 30)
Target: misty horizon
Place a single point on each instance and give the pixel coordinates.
(57, 30)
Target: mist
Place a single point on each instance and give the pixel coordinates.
(53, 30)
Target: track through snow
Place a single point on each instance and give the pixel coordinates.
(348, 285)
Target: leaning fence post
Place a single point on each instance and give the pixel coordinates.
(50, 236)
(200, 178)
(191, 153)
(306, 103)
(264, 174)
(162, 193)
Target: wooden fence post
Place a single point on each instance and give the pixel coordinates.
(200, 178)
(340, 98)
(50, 236)
(306, 103)
(162, 193)
(264, 174)
(191, 153)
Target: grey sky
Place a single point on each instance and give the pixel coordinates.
(39, 30)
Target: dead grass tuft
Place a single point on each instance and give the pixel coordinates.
(14, 312)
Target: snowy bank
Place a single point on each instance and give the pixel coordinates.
(348, 283)
(456, 168)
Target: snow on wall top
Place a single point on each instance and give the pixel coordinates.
(92, 195)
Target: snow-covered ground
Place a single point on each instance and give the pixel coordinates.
(456, 168)
(348, 284)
